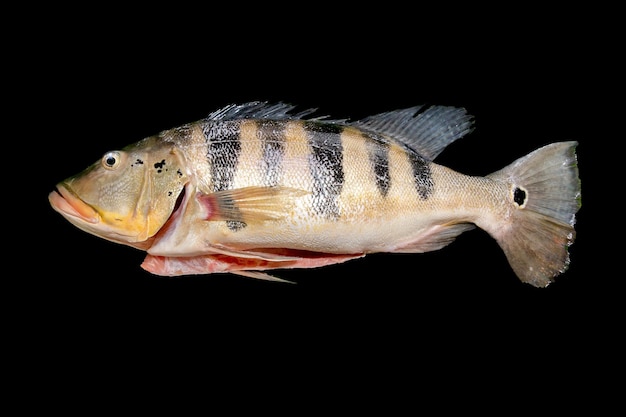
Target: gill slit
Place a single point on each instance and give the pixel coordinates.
(145, 196)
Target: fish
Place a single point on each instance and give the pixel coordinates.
(260, 186)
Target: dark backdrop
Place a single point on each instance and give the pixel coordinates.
(94, 87)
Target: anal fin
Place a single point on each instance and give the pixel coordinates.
(434, 238)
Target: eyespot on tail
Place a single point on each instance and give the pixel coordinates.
(545, 195)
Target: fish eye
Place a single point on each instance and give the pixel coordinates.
(111, 160)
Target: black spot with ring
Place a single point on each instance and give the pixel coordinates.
(519, 196)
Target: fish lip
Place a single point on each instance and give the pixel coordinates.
(67, 203)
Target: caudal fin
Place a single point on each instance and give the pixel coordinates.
(545, 191)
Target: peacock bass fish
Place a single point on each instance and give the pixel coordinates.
(255, 187)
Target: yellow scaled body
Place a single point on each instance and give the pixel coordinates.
(253, 188)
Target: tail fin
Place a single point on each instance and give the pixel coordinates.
(545, 190)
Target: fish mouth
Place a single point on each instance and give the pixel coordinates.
(67, 203)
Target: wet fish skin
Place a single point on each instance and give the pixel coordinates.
(256, 187)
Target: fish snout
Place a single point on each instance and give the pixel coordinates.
(64, 201)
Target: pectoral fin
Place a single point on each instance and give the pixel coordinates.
(250, 204)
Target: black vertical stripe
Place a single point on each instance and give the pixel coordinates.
(272, 134)
(223, 141)
(223, 149)
(421, 174)
(378, 151)
(326, 165)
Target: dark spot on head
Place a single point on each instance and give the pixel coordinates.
(139, 161)
(178, 171)
(519, 196)
(159, 165)
(169, 193)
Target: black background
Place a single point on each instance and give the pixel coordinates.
(457, 312)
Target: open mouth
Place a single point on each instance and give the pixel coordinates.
(65, 202)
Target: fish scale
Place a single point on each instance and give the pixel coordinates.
(272, 135)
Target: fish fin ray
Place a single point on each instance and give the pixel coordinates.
(427, 130)
(253, 254)
(250, 204)
(435, 238)
(546, 190)
(264, 110)
(261, 275)
(222, 263)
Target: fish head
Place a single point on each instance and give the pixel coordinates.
(127, 195)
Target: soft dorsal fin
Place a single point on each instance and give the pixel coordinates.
(425, 129)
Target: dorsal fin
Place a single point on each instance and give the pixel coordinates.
(262, 110)
(425, 129)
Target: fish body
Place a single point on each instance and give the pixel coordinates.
(254, 187)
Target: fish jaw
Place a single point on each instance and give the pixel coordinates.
(71, 207)
(82, 215)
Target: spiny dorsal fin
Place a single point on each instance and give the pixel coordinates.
(260, 110)
(425, 129)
